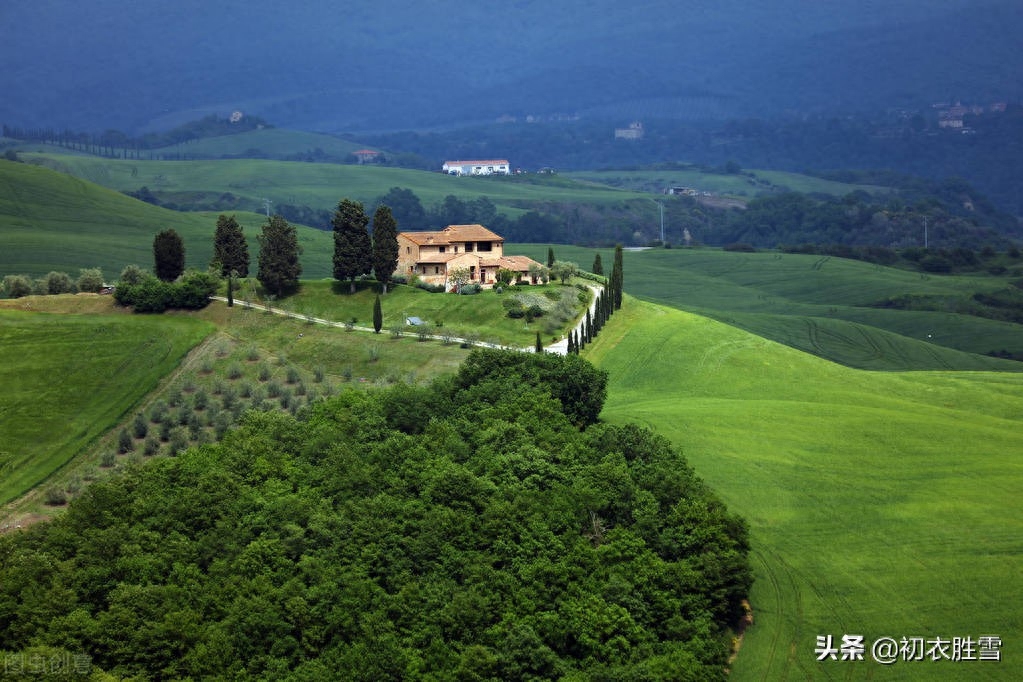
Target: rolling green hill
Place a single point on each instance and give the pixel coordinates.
(68, 379)
(53, 221)
(749, 183)
(320, 185)
(268, 142)
(821, 305)
(881, 504)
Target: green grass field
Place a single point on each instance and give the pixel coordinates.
(69, 378)
(53, 221)
(321, 185)
(881, 504)
(481, 316)
(818, 304)
(737, 185)
(272, 142)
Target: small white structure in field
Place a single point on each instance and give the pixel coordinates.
(477, 167)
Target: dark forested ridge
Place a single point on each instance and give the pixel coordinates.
(483, 527)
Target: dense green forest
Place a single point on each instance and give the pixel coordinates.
(483, 527)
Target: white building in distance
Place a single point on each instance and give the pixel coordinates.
(480, 167)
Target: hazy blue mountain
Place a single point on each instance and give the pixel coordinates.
(386, 64)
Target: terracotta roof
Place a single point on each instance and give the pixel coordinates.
(516, 263)
(454, 234)
(438, 257)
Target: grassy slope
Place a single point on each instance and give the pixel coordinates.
(270, 141)
(322, 185)
(880, 503)
(481, 315)
(52, 221)
(762, 182)
(817, 304)
(68, 379)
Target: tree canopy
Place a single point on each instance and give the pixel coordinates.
(385, 245)
(469, 529)
(168, 255)
(230, 248)
(279, 267)
(352, 245)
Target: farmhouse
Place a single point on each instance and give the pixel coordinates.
(433, 256)
(481, 167)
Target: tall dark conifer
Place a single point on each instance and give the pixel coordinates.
(229, 247)
(352, 246)
(279, 268)
(618, 279)
(168, 255)
(385, 245)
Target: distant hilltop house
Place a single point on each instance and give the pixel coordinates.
(481, 167)
(366, 155)
(633, 132)
(433, 256)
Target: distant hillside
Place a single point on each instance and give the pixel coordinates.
(394, 65)
(53, 221)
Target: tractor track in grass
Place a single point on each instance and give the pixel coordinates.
(784, 590)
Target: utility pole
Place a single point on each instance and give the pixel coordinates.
(661, 205)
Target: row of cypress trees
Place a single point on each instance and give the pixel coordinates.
(608, 301)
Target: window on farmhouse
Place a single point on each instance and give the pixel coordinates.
(483, 246)
(442, 249)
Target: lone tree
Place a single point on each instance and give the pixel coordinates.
(279, 268)
(385, 245)
(168, 255)
(550, 257)
(229, 247)
(598, 266)
(539, 344)
(378, 316)
(352, 245)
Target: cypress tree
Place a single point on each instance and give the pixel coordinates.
(571, 342)
(352, 245)
(598, 267)
(385, 245)
(539, 345)
(378, 315)
(229, 247)
(279, 268)
(618, 278)
(168, 255)
(550, 257)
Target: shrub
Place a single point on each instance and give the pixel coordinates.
(55, 497)
(234, 371)
(140, 427)
(131, 275)
(16, 286)
(90, 279)
(125, 442)
(318, 374)
(152, 446)
(57, 283)
(178, 441)
(739, 246)
(293, 375)
(108, 459)
(158, 412)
